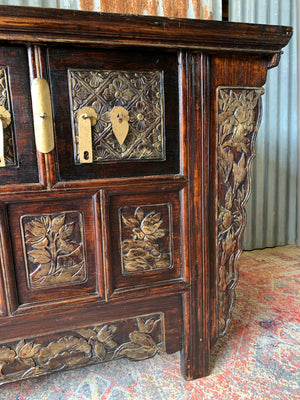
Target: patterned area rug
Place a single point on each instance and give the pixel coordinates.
(258, 359)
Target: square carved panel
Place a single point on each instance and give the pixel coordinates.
(139, 94)
(54, 249)
(146, 238)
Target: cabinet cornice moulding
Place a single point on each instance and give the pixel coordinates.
(43, 25)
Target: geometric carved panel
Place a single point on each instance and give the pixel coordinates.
(135, 338)
(53, 249)
(146, 238)
(8, 133)
(140, 93)
(239, 115)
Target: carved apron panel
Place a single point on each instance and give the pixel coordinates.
(135, 338)
(239, 114)
(7, 140)
(54, 249)
(146, 238)
(129, 99)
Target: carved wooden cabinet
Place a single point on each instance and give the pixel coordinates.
(125, 149)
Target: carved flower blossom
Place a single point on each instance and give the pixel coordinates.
(141, 116)
(118, 92)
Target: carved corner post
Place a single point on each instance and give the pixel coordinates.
(236, 108)
(238, 120)
(195, 162)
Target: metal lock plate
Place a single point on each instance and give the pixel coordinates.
(42, 115)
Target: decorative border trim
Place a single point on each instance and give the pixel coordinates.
(135, 338)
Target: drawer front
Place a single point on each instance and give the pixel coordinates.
(17, 149)
(54, 248)
(115, 112)
(144, 240)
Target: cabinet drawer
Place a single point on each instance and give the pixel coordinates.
(131, 100)
(54, 248)
(143, 240)
(18, 158)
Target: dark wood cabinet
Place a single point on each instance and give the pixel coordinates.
(126, 146)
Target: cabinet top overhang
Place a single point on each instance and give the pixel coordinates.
(45, 25)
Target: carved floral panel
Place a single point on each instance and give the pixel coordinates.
(146, 238)
(53, 249)
(239, 114)
(8, 132)
(139, 93)
(135, 338)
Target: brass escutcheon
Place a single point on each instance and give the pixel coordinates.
(119, 118)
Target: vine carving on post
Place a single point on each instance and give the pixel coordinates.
(239, 114)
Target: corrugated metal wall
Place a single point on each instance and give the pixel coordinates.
(298, 80)
(272, 208)
(205, 9)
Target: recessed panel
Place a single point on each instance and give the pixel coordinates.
(54, 248)
(146, 236)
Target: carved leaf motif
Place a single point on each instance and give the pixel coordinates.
(57, 223)
(239, 172)
(229, 198)
(139, 213)
(40, 256)
(7, 355)
(87, 333)
(66, 246)
(148, 326)
(66, 230)
(27, 350)
(105, 335)
(141, 347)
(41, 244)
(225, 162)
(37, 230)
(100, 350)
(130, 221)
(63, 347)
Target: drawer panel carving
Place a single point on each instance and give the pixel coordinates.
(128, 99)
(136, 338)
(54, 249)
(146, 238)
(7, 142)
